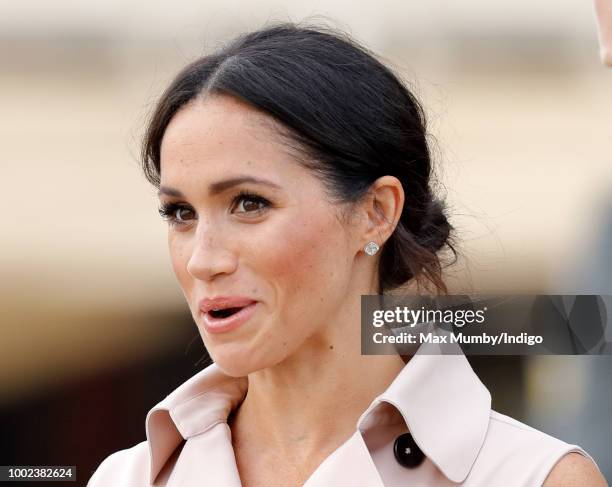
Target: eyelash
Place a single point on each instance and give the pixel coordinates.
(168, 210)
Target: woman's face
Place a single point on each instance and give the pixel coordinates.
(284, 247)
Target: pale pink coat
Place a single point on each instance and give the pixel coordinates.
(437, 397)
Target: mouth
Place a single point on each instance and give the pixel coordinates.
(224, 313)
(227, 319)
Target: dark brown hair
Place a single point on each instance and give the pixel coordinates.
(345, 112)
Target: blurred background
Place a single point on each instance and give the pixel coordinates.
(94, 328)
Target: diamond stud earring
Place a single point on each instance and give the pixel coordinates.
(371, 248)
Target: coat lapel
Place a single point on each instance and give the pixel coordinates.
(207, 460)
(351, 464)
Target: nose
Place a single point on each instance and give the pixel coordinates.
(210, 255)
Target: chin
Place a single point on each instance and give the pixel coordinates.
(233, 368)
(239, 361)
(236, 364)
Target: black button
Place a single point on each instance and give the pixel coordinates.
(407, 453)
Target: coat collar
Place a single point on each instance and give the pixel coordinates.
(443, 403)
(196, 405)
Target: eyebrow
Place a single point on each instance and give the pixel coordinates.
(220, 186)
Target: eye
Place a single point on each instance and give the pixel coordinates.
(180, 214)
(175, 214)
(252, 203)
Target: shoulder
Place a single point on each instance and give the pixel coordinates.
(575, 470)
(124, 467)
(515, 450)
(515, 434)
(568, 465)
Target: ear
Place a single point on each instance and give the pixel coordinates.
(382, 210)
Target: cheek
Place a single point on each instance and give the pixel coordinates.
(309, 264)
(179, 256)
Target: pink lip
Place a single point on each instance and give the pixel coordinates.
(221, 302)
(222, 325)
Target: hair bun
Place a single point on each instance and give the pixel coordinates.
(435, 228)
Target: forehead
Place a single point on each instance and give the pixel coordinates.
(221, 134)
